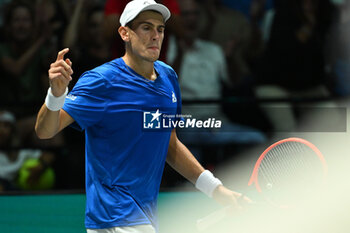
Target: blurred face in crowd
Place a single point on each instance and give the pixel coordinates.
(95, 29)
(21, 24)
(190, 15)
(309, 6)
(5, 133)
(145, 35)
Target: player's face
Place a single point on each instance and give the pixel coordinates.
(147, 34)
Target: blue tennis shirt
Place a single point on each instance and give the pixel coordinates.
(124, 159)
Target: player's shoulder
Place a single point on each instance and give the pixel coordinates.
(102, 73)
(167, 69)
(163, 65)
(107, 69)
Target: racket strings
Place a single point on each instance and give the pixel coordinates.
(299, 158)
(287, 161)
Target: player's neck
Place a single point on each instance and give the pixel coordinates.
(143, 68)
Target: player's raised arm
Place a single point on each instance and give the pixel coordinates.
(51, 118)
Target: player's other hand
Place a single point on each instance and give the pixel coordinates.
(227, 197)
(60, 73)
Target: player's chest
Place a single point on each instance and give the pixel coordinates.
(141, 94)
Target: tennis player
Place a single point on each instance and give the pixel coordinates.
(124, 162)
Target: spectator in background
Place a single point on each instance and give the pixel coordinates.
(21, 168)
(3, 5)
(261, 16)
(241, 41)
(293, 63)
(113, 10)
(202, 70)
(245, 6)
(338, 49)
(7, 130)
(88, 49)
(53, 14)
(23, 57)
(84, 35)
(255, 18)
(235, 38)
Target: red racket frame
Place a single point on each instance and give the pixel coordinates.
(254, 177)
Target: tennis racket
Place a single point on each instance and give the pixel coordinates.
(285, 173)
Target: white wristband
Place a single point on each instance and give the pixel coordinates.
(207, 183)
(54, 103)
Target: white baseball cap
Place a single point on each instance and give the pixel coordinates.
(135, 7)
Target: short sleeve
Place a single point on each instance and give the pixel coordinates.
(87, 102)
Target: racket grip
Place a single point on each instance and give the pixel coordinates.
(212, 218)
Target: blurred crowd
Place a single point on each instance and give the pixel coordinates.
(231, 57)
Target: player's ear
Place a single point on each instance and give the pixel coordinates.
(124, 33)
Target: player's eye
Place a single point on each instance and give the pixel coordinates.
(161, 29)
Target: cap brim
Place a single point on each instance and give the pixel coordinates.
(133, 9)
(159, 8)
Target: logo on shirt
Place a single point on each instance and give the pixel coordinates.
(151, 120)
(173, 96)
(72, 97)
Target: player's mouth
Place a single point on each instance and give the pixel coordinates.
(154, 48)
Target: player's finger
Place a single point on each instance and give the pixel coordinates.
(243, 199)
(60, 63)
(239, 201)
(61, 54)
(63, 64)
(59, 70)
(248, 200)
(69, 62)
(58, 77)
